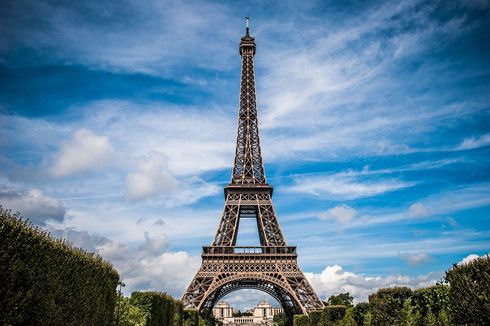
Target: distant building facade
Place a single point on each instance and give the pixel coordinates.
(222, 310)
(262, 314)
(265, 310)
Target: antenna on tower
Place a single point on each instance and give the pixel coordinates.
(247, 22)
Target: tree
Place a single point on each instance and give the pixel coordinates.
(359, 311)
(341, 299)
(348, 319)
(387, 304)
(430, 303)
(333, 314)
(469, 292)
(128, 314)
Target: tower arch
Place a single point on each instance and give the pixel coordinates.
(270, 285)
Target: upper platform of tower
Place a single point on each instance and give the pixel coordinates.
(247, 43)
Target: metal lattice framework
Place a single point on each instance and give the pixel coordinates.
(272, 267)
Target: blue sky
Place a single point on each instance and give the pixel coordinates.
(118, 131)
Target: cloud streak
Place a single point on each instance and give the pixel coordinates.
(342, 187)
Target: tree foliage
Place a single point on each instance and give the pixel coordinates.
(341, 299)
(359, 311)
(159, 306)
(46, 281)
(333, 314)
(469, 292)
(430, 304)
(386, 305)
(280, 319)
(127, 314)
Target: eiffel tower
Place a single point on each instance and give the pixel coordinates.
(271, 267)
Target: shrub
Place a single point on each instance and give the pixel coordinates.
(469, 292)
(333, 314)
(316, 318)
(386, 305)
(191, 317)
(46, 281)
(301, 320)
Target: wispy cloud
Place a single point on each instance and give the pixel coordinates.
(475, 142)
(415, 258)
(121, 36)
(342, 187)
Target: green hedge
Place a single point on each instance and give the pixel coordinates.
(469, 292)
(386, 305)
(316, 318)
(46, 281)
(155, 309)
(159, 306)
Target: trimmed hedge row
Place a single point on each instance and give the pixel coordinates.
(46, 281)
(155, 309)
(330, 315)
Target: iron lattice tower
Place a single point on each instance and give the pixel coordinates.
(272, 267)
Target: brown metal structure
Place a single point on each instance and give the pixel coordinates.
(272, 267)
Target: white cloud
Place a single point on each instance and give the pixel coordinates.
(418, 210)
(150, 266)
(334, 280)
(341, 213)
(468, 259)
(247, 299)
(152, 178)
(415, 258)
(155, 180)
(83, 152)
(32, 204)
(341, 186)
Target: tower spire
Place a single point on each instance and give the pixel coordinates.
(248, 169)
